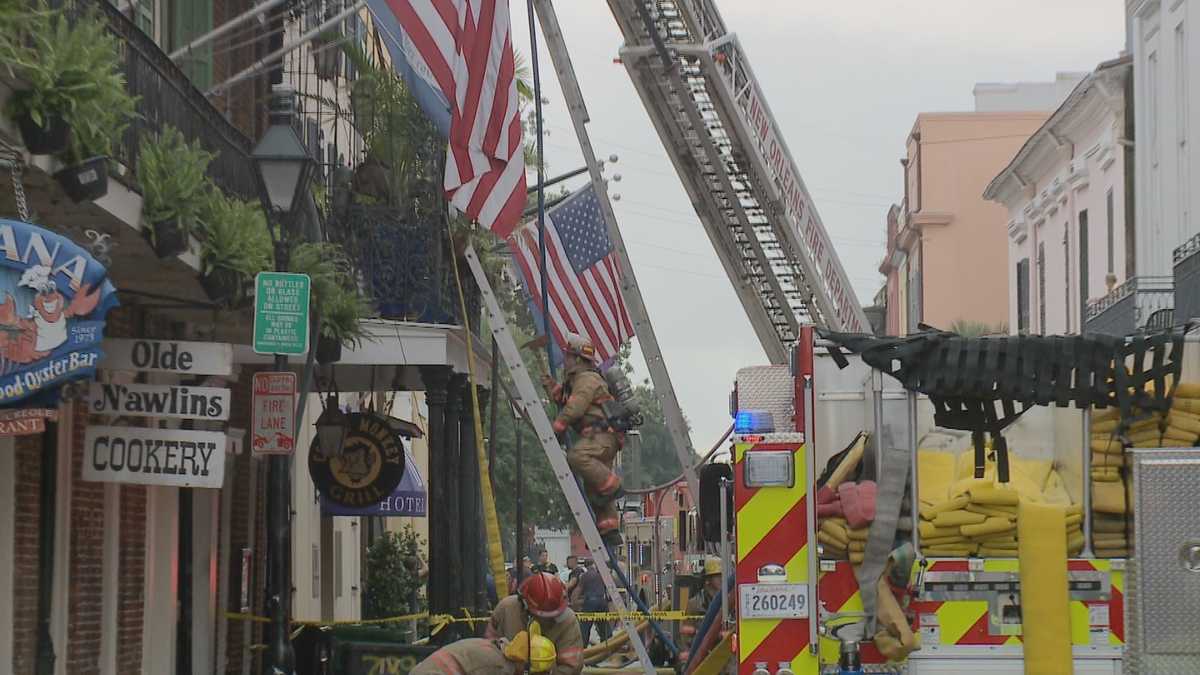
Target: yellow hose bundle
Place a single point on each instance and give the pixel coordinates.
(958, 517)
(1045, 599)
(989, 526)
(990, 495)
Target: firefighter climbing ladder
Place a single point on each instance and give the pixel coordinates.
(530, 403)
(710, 113)
(557, 46)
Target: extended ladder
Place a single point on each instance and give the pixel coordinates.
(529, 401)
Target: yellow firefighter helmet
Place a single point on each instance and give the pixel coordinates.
(712, 566)
(580, 346)
(531, 647)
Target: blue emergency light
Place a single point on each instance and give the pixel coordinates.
(753, 422)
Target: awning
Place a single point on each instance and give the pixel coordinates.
(406, 501)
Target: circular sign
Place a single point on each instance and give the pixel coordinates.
(369, 466)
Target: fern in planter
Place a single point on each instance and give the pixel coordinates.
(175, 188)
(235, 245)
(76, 104)
(336, 299)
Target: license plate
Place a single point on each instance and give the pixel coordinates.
(773, 601)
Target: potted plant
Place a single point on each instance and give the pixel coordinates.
(341, 314)
(175, 188)
(335, 299)
(235, 245)
(75, 103)
(327, 58)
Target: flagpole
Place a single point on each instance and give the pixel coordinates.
(541, 182)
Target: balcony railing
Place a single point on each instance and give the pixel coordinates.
(1139, 303)
(1187, 280)
(165, 96)
(405, 266)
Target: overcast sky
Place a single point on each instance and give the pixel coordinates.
(846, 81)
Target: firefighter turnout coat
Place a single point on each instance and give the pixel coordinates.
(510, 618)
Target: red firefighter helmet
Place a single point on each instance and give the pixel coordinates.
(544, 594)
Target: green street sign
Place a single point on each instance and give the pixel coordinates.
(281, 313)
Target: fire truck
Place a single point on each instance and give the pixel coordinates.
(790, 602)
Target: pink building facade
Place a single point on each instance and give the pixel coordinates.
(948, 257)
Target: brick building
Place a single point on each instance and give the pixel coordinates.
(110, 577)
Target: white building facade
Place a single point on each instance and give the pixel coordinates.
(1065, 195)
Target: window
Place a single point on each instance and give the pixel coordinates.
(189, 20)
(1108, 209)
(1023, 297)
(1083, 267)
(1041, 278)
(1066, 242)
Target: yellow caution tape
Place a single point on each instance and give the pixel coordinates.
(439, 621)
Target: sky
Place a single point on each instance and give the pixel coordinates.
(845, 81)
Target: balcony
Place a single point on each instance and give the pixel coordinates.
(405, 266)
(1139, 303)
(165, 96)
(1187, 280)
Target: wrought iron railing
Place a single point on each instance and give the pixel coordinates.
(405, 266)
(165, 96)
(1140, 302)
(1187, 279)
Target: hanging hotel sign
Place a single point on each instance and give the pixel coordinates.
(368, 467)
(164, 401)
(53, 299)
(169, 356)
(175, 457)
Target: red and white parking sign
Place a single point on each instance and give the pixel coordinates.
(272, 430)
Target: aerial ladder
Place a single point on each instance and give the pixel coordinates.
(714, 122)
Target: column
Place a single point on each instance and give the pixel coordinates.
(468, 490)
(450, 482)
(435, 379)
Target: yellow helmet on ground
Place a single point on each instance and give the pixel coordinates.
(531, 647)
(712, 566)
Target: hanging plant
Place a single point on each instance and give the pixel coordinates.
(75, 104)
(336, 298)
(234, 246)
(175, 188)
(327, 58)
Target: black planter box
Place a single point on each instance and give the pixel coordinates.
(86, 181)
(168, 238)
(223, 286)
(329, 350)
(44, 140)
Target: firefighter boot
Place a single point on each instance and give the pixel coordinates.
(608, 522)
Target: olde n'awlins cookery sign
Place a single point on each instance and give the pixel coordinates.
(176, 457)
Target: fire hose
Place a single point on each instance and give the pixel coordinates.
(709, 629)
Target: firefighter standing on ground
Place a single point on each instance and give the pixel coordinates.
(698, 604)
(542, 602)
(581, 395)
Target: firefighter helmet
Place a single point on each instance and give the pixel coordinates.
(530, 647)
(580, 346)
(712, 566)
(544, 595)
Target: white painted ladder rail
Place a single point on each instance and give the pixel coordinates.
(530, 402)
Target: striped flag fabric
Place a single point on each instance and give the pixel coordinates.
(581, 272)
(465, 47)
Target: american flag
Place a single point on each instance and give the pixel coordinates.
(467, 47)
(582, 273)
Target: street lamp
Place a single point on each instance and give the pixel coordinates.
(331, 427)
(284, 171)
(282, 165)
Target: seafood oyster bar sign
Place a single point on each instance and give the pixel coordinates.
(53, 300)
